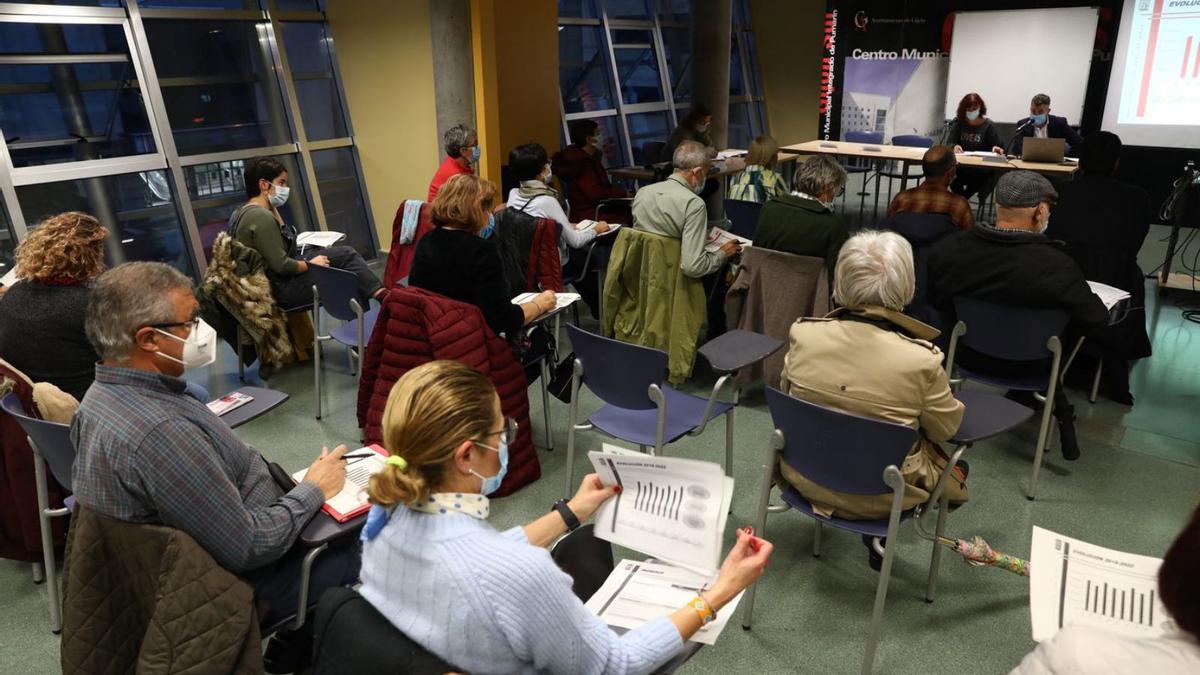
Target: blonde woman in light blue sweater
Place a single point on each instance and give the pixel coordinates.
(489, 601)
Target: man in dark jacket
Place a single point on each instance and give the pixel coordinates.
(1012, 263)
(1103, 223)
(1041, 124)
(580, 169)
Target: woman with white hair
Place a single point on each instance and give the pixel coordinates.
(868, 358)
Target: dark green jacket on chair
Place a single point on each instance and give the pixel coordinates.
(801, 226)
(649, 301)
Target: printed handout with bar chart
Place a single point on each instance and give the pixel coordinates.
(671, 508)
(1074, 583)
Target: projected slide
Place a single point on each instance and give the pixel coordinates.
(1161, 81)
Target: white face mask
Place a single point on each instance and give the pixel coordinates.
(199, 348)
(548, 177)
(972, 115)
(279, 197)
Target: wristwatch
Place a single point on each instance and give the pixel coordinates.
(567, 514)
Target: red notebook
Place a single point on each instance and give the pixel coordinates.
(352, 500)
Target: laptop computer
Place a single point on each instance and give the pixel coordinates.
(1045, 150)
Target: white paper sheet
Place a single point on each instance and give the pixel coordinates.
(1108, 295)
(10, 277)
(718, 237)
(727, 154)
(562, 300)
(319, 238)
(637, 592)
(980, 153)
(671, 508)
(358, 475)
(1074, 583)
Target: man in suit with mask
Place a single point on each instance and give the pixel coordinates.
(1041, 124)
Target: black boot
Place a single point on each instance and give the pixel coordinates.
(1066, 432)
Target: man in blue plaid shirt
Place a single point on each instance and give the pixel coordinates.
(147, 452)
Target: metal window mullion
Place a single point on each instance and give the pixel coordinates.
(244, 153)
(664, 74)
(201, 14)
(569, 21)
(587, 114)
(331, 144)
(161, 125)
(335, 66)
(9, 190)
(58, 59)
(305, 15)
(284, 74)
(89, 168)
(30, 13)
(620, 98)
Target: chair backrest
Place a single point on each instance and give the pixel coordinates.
(912, 141)
(616, 372)
(53, 440)
(920, 229)
(837, 450)
(743, 216)
(1009, 333)
(336, 288)
(651, 152)
(351, 636)
(866, 138)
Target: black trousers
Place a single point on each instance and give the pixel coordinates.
(971, 181)
(278, 584)
(1063, 411)
(297, 289)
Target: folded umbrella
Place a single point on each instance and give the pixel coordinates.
(978, 552)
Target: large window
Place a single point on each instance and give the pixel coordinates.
(145, 113)
(627, 64)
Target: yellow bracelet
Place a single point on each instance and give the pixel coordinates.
(706, 612)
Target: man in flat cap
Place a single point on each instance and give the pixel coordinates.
(1013, 263)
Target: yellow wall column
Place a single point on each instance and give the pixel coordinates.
(789, 36)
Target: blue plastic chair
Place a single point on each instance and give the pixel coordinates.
(639, 407)
(1013, 334)
(743, 216)
(337, 292)
(855, 455)
(51, 444)
(905, 141)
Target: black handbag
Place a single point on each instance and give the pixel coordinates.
(561, 377)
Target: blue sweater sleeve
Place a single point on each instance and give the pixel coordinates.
(549, 627)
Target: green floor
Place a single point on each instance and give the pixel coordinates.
(1133, 488)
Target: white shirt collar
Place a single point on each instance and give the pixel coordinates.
(466, 503)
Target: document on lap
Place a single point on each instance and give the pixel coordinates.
(562, 300)
(637, 592)
(1109, 295)
(352, 500)
(319, 238)
(718, 237)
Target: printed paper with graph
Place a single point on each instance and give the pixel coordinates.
(671, 508)
(1074, 583)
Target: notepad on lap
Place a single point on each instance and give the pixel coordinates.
(319, 238)
(718, 238)
(561, 299)
(1109, 295)
(352, 500)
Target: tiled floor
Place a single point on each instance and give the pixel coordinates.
(1137, 481)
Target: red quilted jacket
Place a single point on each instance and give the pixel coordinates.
(416, 326)
(544, 272)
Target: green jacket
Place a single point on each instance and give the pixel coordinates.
(257, 228)
(649, 301)
(802, 226)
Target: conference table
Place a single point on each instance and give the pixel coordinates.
(907, 156)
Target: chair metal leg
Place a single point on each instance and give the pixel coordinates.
(316, 356)
(39, 572)
(1096, 381)
(53, 593)
(817, 539)
(546, 402)
(241, 364)
(573, 412)
(893, 477)
(729, 441)
(305, 578)
(760, 524)
(935, 562)
(1042, 441)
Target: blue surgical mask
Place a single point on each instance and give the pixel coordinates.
(1038, 119)
(972, 115)
(489, 228)
(492, 484)
(475, 153)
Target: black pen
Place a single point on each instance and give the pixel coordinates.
(361, 455)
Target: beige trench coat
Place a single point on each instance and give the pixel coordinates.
(875, 363)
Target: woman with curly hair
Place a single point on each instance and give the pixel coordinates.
(41, 316)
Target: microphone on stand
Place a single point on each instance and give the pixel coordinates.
(1017, 132)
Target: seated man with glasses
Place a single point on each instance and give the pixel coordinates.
(803, 222)
(149, 453)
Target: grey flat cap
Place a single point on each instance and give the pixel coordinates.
(1020, 189)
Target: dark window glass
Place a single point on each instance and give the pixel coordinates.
(218, 189)
(200, 4)
(626, 9)
(674, 10)
(632, 37)
(138, 209)
(8, 242)
(741, 14)
(307, 45)
(637, 73)
(65, 112)
(578, 9)
(760, 111)
(740, 133)
(643, 127)
(752, 67)
(218, 83)
(677, 45)
(737, 84)
(584, 75)
(342, 199)
(298, 5)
